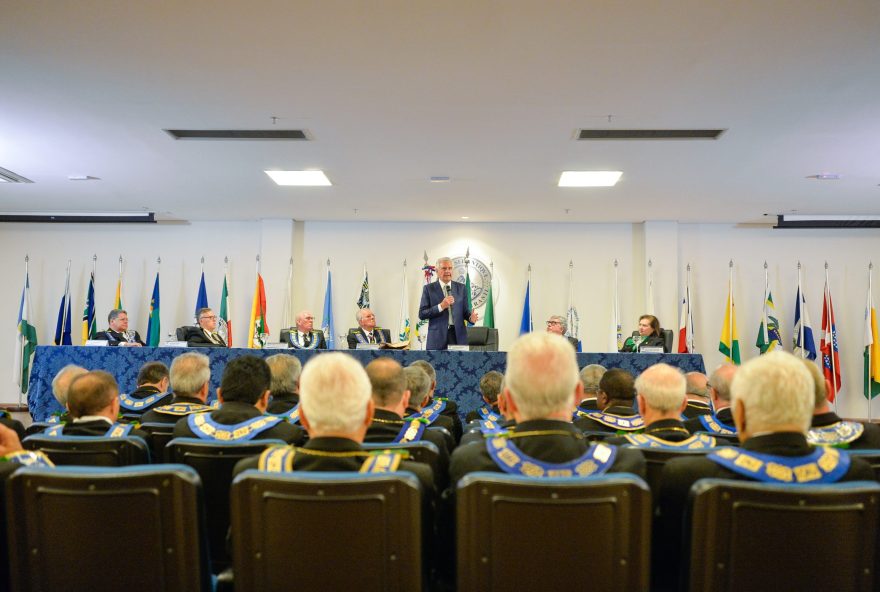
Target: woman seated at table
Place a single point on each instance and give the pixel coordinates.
(649, 335)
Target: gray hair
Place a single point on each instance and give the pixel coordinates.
(62, 380)
(335, 393)
(285, 370)
(418, 383)
(563, 322)
(189, 373)
(542, 375)
(720, 380)
(697, 384)
(115, 313)
(590, 377)
(443, 259)
(662, 386)
(775, 389)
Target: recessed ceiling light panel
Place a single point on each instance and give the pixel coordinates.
(300, 178)
(589, 178)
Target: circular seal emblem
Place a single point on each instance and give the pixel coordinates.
(480, 276)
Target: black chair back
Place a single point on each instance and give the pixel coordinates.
(182, 332)
(132, 528)
(327, 531)
(93, 451)
(422, 452)
(482, 338)
(872, 457)
(760, 536)
(656, 458)
(160, 435)
(214, 462)
(284, 335)
(496, 511)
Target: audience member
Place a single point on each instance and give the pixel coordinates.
(285, 370)
(490, 386)
(93, 403)
(827, 429)
(448, 409)
(591, 375)
(151, 391)
(721, 421)
(190, 380)
(697, 395)
(615, 401)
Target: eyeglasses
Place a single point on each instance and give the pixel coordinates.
(553, 323)
(211, 318)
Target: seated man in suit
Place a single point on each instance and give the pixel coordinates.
(448, 409)
(151, 391)
(118, 333)
(615, 402)
(558, 325)
(304, 336)
(697, 395)
(718, 388)
(542, 388)
(243, 396)
(419, 385)
(367, 331)
(190, 379)
(444, 305)
(285, 370)
(773, 399)
(661, 398)
(490, 386)
(205, 334)
(827, 429)
(93, 402)
(337, 410)
(60, 387)
(591, 375)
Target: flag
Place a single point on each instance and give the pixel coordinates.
(616, 327)
(117, 301)
(467, 290)
(27, 339)
(729, 344)
(686, 324)
(807, 349)
(649, 306)
(872, 350)
(489, 311)
(327, 319)
(258, 327)
(526, 325)
(768, 332)
(828, 345)
(364, 299)
(202, 298)
(154, 330)
(403, 320)
(428, 271)
(225, 307)
(89, 326)
(572, 321)
(62, 327)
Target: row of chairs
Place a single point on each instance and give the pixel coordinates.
(143, 528)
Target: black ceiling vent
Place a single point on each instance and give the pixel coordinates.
(267, 134)
(7, 176)
(646, 134)
(81, 218)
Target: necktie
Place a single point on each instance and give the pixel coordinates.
(372, 338)
(448, 289)
(215, 337)
(307, 339)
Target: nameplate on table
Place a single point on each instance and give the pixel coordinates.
(173, 344)
(651, 349)
(459, 348)
(367, 346)
(97, 343)
(275, 346)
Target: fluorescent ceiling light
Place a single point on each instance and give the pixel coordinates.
(299, 178)
(589, 178)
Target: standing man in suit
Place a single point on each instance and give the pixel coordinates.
(444, 305)
(367, 331)
(118, 333)
(205, 335)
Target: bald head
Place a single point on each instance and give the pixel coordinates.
(62, 380)
(93, 393)
(387, 381)
(662, 388)
(719, 385)
(696, 385)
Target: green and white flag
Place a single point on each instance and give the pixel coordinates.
(489, 311)
(26, 339)
(403, 320)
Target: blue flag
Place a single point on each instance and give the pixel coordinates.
(802, 317)
(62, 328)
(526, 324)
(202, 300)
(153, 329)
(327, 321)
(89, 324)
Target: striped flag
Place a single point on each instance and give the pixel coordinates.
(828, 345)
(363, 300)
(729, 343)
(154, 329)
(258, 327)
(489, 311)
(769, 337)
(327, 318)
(62, 327)
(89, 325)
(225, 308)
(686, 323)
(26, 339)
(804, 344)
(872, 348)
(428, 271)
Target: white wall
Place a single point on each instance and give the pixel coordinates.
(384, 246)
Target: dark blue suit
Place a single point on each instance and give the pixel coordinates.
(438, 321)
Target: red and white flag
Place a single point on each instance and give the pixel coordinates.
(828, 344)
(686, 324)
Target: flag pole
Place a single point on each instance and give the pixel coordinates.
(615, 306)
(828, 311)
(765, 333)
(801, 306)
(67, 303)
(203, 264)
(730, 306)
(650, 305)
(531, 299)
(871, 329)
(21, 342)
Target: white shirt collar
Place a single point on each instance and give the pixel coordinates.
(86, 418)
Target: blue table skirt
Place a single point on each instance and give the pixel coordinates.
(458, 373)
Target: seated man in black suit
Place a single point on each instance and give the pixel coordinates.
(490, 386)
(190, 379)
(336, 409)
(615, 402)
(118, 333)
(721, 421)
(304, 335)
(697, 395)
(559, 325)
(205, 334)
(591, 376)
(827, 429)
(773, 399)
(447, 408)
(367, 331)
(419, 384)
(93, 402)
(542, 388)
(661, 398)
(285, 370)
(151, 391)
(243, 396)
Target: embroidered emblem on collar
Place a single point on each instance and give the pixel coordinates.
(182, 408)
(127, 402)
(377, 335)
(279, 459)
(432, 412)
(596, 460)
(117, 430)
(714, 425)
(487, 414)
(696, 442)
(838, 433)
(291, 415)
(489, 427)
(29, 458)
(824, 465)
(627, 423)
(411, 431)
(297, 340)
(206, 428)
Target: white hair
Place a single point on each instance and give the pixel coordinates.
(285, 370)
(62, 380)
(442, 259)
(663, 387)
(334, 393)
(542, 375)
(775, 389)
(189, 373)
